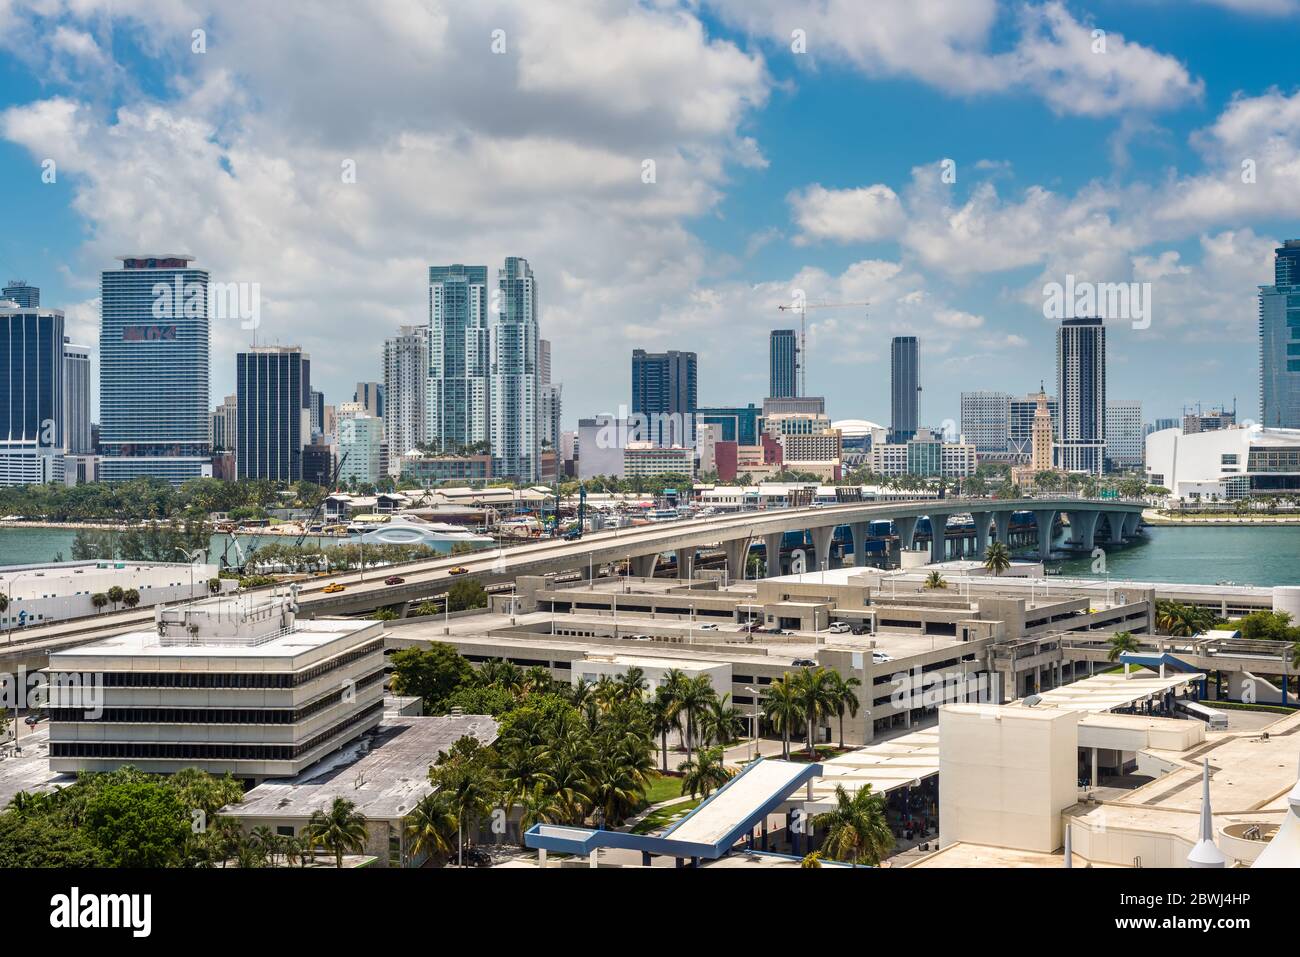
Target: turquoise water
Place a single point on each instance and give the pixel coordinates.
(19, 546)
(1247, 556)
(1266, 555)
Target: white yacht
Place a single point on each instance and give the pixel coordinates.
(409, 530)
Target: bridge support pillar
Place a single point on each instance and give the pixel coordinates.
(1002, 527)
(1117, 521)
(938, 538)
(643, 566)
(821, 539)
(906, 531)
(1083, 528)
(685, 563)
(859, 531)
(1131, 522)
(1045, 518)
(737, 551)
(772, 553)
(981, 532)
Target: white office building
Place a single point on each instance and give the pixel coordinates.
(406, 372)
(232, 685)
(1225, 464)
(985, 420)
(1124, 434)
(361, 440)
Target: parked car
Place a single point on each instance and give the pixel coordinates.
(335, 588)
(32, 720)
(394, 580)
(477, 857)
(860, 629)
(839, 628)
(458, 570)
(804, 663)
(572, 536)
(709, 627)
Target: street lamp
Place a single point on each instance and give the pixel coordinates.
(753, 719)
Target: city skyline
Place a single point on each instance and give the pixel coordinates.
(1147, 151)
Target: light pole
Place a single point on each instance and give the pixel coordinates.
(190, 557)
(753, 720)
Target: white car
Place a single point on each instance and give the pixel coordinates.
(709, 627)
(840, 628)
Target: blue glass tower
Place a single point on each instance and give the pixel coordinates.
(31, 395)
(1279, 341)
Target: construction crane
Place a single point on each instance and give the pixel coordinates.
(802, 306)
(315, 512)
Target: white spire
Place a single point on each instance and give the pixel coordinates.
(1284, 849)
(1206, 853)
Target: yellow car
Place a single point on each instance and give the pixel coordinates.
(335, 588)
(458, 570)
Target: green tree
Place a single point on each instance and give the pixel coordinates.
(466, 775)
(856, 828)
(935, 580)
(115, 595)
(137, 823)
(431, 828)
(814, 690)
(339, 830)
(997, 558)
(130, 598)
(781, 705)
(466, 593)
(844, 692)
(704, 773)
(432, 674)
(1121, 642)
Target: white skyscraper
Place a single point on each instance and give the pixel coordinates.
(406, 371)
(457, 414)
(515, 432)
(1125, 438)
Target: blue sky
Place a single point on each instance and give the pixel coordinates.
(775, 171)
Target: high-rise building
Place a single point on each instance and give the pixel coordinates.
(1194, 420)
(459, 357)
(665, 391)
(1081, 386)
(986, 420)
(372, 397)
(550, 396)
(153, 369)
(29, 297)
(273, 420)
(361, 449)
(406, 370)
(317, 405)
(1279, 341)
(783, 361)
(739, 424)
(32, 441)
(1020, 422)
(1125, 440)
(224, 423)
(516, 443)
(904, 389)
(76, 399)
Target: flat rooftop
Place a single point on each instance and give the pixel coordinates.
(1109, 691)
(385, 774)
(308, 635)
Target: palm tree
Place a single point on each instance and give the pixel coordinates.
(997, 558)
(130, 598)
(340, 829)
(811, 860)
(1121, 642)
(431, 827)
(813, 691)
(115, 595)
(934, 581)
(632, 682)
(721, 722)
(845, 695)
(781, 705)
(705, 773)
(856, 828)
(695, 696)
(268, 841)
(664, 718)
(538, 806)
(469, 786)
(498, 671)
(538, 680)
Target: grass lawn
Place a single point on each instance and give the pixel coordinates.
(663, 787)
(656, 820)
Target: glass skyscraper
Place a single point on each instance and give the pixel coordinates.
(1279, 341)
(31, 395)
(154, 337)
(904, 389)
(76, 399)
(1081, 391)
(459, 357)
(514, 402)
(272, 414)
(783, 359)
(664, 391)
(29, 297)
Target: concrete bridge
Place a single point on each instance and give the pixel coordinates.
(641, 546)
